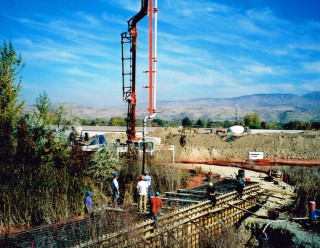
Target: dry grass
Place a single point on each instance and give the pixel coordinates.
(307, 181)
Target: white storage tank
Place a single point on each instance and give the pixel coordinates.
(236, 129)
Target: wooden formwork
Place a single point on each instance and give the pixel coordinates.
(187, 226)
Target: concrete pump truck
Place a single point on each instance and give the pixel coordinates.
(129, 61)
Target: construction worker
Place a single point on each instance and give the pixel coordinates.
(156, 204)
(88, 203)
(115, 189)
(211, 193)
(240, 186)
(142, 190)
(147, 178)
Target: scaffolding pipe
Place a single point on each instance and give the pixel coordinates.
(268, 224)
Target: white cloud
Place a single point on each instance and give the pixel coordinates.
(203, 48)
(259, 69)
(311, 85)
(89, 18)
(312, 66)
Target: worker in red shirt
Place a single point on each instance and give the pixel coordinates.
(156, 204)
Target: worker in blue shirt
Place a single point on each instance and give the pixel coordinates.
(88, 203)
(147, 178)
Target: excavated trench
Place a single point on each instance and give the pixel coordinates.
(298, 233)
(282, 233)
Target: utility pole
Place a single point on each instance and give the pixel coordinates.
(236, 116)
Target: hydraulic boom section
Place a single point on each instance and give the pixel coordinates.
(129, 38)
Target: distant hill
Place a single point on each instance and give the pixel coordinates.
(269, 107)
(315, 95)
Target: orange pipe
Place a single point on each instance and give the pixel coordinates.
(150, 59)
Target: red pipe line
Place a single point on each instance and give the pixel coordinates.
(150, 59)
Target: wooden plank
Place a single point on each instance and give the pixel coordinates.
(245, 210)
(256, 203)
(273, 196)
(200, 192)
(146, 242)
(180, 193)
(114, 209)
(195, 192)
(185, 195)
(179, 200)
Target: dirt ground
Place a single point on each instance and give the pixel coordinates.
(303, 146)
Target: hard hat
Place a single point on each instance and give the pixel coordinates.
(157, 193)
(89, 193)
(211, 184)
(116, 174)
(141, 177)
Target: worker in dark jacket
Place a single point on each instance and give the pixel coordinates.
(212, 194)
(240, 187)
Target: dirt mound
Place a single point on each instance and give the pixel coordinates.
(303, 146)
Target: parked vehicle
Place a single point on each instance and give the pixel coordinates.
(96, 144)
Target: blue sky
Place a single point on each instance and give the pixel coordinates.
(206, 48)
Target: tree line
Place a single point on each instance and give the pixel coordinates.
(252, 121)
(249, 120)
(43, 176)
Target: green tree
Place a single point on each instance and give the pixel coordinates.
(158, 123)
(117, 121)
(210, 123)
(293, 125)
(60, 114)
(46, 167)
(43, 104)
(308, 126)
(272, 125)
(315, 125)
(227, 123)
(263, 125)
(186, 122)
(102, 165)
(252, 121)
(200, 123)
(10, 107)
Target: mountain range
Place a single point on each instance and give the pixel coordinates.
(269, 107)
